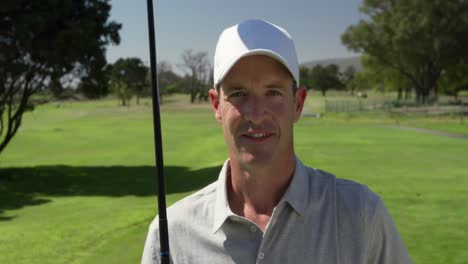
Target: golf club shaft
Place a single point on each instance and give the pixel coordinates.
(163, 230)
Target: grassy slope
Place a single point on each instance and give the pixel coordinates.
(77, 184)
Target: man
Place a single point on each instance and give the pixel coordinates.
(266, 206)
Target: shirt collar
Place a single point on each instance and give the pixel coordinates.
(221, 210)
(295, 195)
(297, 192)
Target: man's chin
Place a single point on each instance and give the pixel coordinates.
(256, 159)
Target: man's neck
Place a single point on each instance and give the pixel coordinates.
(253, 192)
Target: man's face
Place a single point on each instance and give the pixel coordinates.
(257, 108)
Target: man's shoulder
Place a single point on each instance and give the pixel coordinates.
(195, 201)
(348, 193)
(355, 204)
(188, 208)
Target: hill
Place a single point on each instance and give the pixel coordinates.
(342, 63)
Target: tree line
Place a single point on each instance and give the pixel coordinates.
(55, 45)
(58, 48)
(419, 45)
(40, 48)
(329, 77)
(130, 77)
(407, 46)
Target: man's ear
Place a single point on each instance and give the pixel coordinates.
(300, 96)
(214, 98)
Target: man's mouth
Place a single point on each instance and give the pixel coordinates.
(257, 137)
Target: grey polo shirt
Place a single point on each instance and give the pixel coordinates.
(320, 219)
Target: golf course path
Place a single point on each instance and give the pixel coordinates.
(430, 131)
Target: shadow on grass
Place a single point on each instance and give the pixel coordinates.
(23, 186)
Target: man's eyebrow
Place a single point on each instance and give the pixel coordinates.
(233, 87)
(276, 86)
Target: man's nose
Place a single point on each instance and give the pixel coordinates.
(255, 109)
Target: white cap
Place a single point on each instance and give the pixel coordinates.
(254, 37)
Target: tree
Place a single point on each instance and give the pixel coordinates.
(198, 65)
(205, 74)
(384, 77)
(139, 82)
(169, 82)
(334, 77)
(347, 78)
(325, 78)
(361, 81)
(455, 79)
(129, 77)
(304, 76)
(419, 39)
(317, 79)
(38, 47)
(95, 83)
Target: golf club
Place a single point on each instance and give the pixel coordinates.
(163, 230)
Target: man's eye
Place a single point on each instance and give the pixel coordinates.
(237, 94)
(273, 92)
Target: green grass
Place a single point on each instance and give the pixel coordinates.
(77, 183)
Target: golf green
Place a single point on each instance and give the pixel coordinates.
(77, 183)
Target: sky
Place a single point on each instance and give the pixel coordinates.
(315, 25)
